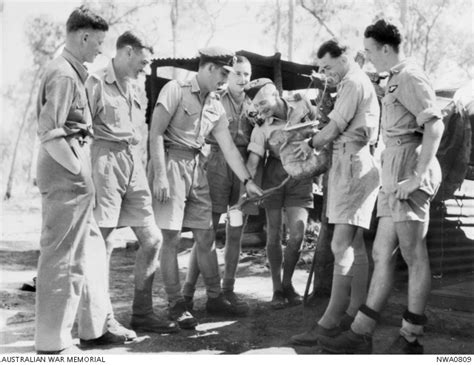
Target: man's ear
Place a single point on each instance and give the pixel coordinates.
(129, 50)
(85, 36)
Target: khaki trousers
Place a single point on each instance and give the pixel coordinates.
(71, 269)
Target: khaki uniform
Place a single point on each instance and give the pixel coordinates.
(225, 186)
(122, 192)
(193, 119)
(71, 266)
(353, 181)
(408, 104)
(269, 136)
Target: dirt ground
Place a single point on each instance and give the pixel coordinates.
(263, 331)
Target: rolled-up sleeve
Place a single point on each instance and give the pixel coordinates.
(345, 106)
(170, 97)
(417, 95)
(257, 141)
(58, 98)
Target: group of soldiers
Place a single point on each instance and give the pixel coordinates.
(92, 180)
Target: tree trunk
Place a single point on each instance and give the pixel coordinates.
(11, 176)
(174, 16)
(291, 23)
(278, 26)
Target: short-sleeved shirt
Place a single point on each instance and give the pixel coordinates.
(117, 113)
(62, 106)
(240, 121)
(192, 117)
(409, 101)
(268, 136)
(356, 110)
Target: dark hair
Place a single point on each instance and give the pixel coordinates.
(83, 18)
(333, 47)
(384, 32)
(131, 39)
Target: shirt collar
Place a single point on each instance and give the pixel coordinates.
(110, 76)
(76, 64)
(399, 67)
(194, 85)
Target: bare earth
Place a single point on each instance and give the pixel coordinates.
(264, 331)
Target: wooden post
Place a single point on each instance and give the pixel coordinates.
(277, 79)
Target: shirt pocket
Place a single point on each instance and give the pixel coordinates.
(138, 116)
(112, 113)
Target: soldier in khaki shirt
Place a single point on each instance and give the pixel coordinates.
(411, 129)
(353, 184)
(71, 267)
(123, 197)
(225, 186)
(294, 197)
(185, 114)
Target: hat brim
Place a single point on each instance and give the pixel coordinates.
(229, 68)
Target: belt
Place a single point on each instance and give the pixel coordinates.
(216, 148)
(182, 151)
(399, 140)
(113, 145)
(350, 147)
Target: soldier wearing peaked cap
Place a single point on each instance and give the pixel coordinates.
(185, 114)
(225, 187)
(295, 196)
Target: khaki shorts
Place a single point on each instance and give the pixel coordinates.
(399, 163)
(353, 185)
(295, 193)
(190, 203)
(123, 197)
(225, 187)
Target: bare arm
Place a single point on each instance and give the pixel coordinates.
(234, 159)
(160, 121)
(433, 131)
(328, 134)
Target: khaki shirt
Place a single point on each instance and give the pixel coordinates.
(117, 113)
(192, 118)
(62, 93)
(356, 110)
(241, 121)
(269, 135)
(409, 101)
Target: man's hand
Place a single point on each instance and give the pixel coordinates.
(161, 187)
(302, 150)
(406, 187)
(253, 189)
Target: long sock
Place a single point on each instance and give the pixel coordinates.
(290, 260)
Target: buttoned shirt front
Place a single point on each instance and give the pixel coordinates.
(356, 110)
(62, 106)
(117, 113)
(192, 117)
(409, 101)
(269, 135)
(241, 121)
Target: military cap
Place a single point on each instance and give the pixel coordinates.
(252, 88)
(219, 56)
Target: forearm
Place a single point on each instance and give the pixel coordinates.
(235, 161)
(252, 163)
(430, 143)
(328, 134)
(157, 154)
(62, 153)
